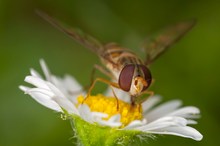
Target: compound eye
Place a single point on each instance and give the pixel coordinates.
(147, 76)
(125, 77)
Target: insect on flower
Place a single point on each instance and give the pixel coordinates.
(131, 73)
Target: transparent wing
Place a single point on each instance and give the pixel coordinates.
(156, 46)
(77, 35)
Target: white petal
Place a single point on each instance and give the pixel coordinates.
(45, 69)
(115, 118)
(73, 88)
(135, 123)
(40, 90)
(85, 113)
(151, 102)
(162, 110)
(122, 95)
(36, 82)
(34, 73)
(163, 123)
(185, 111)
(41, 98)
(191, 116)
(24, 88)
(111, 124)
(99, 115)
(186, 131)
(191, 122)
(71, 84)
(45, 101)
(58, 83)
(114, 121)
(66, 104)
(55, 90)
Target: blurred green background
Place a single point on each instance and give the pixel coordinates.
(189, 71)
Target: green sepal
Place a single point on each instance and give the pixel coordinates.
(96, 135)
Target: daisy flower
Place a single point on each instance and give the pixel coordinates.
(102, 119)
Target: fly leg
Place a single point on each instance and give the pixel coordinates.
(102, 70)
(113, 84)
(107, 73)
(140, 99)
(92, 77)
(115, 98)
(133, 103)
(87, 87)
(93, 81)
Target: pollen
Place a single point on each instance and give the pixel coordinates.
(112, 106)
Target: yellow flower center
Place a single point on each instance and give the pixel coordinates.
(112, 106)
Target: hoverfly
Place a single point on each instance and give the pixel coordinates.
(131, 73)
